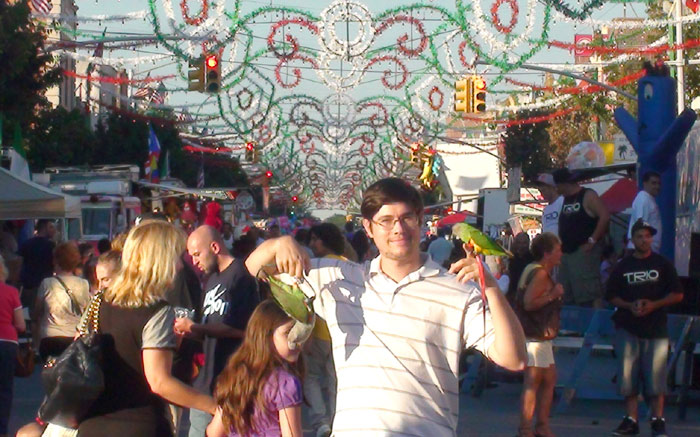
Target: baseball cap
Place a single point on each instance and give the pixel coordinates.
(641, 224)
(546, 179)
(563, 175)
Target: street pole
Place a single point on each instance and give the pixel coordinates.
(680, 76)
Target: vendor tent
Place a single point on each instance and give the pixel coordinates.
(21, 199)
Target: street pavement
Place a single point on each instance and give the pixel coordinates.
(494, 413)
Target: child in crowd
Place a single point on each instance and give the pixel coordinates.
(259, 393)
(609, 259)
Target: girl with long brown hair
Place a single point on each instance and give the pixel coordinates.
(260, 390)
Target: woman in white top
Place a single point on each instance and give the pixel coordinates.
(60, 301)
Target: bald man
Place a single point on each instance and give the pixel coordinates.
(230, 297)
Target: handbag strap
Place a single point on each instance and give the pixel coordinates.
(92, 317)
(75, 307)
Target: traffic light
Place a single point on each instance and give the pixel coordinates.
(250, 152)
(212, 74)
(195, 75)
(295, 199)
(462, 96)
(268, 174)
(478, 97)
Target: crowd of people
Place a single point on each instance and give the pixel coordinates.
(192, 325)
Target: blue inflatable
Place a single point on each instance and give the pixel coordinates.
(657, 137)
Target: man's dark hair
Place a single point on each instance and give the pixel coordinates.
(104, 245)
(543, 243)
(302, 236)
(443, 231)
(349, 226)
(41, 224)
(650, 174)
(390, 190)
(330, 236)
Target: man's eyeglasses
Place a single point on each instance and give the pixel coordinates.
(407, 220)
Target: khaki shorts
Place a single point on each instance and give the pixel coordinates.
(539, 353)
(579, 273)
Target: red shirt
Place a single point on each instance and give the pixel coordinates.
(9, 302)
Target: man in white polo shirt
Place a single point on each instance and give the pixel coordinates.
(399, 322)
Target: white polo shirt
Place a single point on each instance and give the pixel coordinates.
(396, 346)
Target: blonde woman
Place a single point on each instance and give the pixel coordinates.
(134, 316)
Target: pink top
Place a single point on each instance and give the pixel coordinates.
(9, 302)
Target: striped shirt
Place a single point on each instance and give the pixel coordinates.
(396, 346)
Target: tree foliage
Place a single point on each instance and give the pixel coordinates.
(60, 138)
(25, 71)
(528, 146)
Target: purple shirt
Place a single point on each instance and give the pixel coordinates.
(282, 390)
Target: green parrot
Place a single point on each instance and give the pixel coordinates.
(482, 243)
(298, 306)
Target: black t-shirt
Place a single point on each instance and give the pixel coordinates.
(230, 297)
(575, 225)
(37, 264)
(653, 278)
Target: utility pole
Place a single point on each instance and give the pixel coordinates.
(680, 72)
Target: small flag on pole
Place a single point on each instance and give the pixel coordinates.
(151, 167)
(200, 175)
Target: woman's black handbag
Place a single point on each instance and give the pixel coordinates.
(75, 379)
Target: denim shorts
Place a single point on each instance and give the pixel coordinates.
(641, 360)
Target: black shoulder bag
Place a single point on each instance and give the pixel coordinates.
(75, 379)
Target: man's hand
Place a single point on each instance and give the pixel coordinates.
(642, 307)
(291, 258)
(467, 269)
(587, 247)
(183, 326)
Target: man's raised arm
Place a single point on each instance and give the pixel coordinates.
(281, 255)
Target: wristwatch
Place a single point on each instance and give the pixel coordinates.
(591, 240)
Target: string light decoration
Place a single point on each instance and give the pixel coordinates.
(290, 76)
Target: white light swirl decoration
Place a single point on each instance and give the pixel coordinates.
(497, 45)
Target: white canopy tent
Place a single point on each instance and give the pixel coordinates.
(21, 199)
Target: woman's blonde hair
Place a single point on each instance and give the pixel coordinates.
(149, 259)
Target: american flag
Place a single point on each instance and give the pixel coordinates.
(200, 175)
(42, 7)
(145, 91)
(185, 117)
(158, 95)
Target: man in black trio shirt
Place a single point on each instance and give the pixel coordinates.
(230, 296)
(583, 222)
(642, 286)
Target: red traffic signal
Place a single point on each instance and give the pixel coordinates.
(250, 146)
(212, 74)
(294, 198)
(211, 61)
(268, 174)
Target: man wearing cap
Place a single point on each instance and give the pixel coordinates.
(645, 207)
(641, 286)
(550, 215)
(583, 222)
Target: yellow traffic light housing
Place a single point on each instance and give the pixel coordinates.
(462, 95)
(195, 75)
(478, 95)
